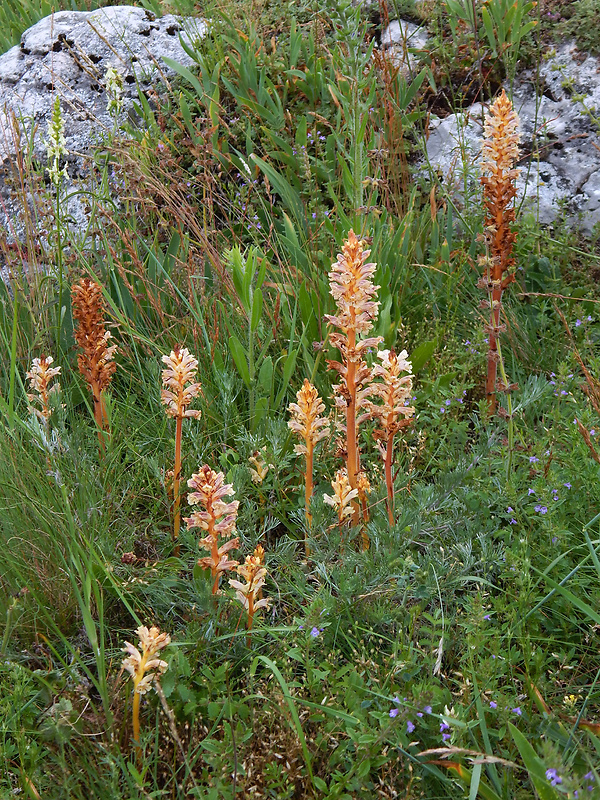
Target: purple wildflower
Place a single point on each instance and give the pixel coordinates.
(410, 726)
(314, 632)
(533, 459)
(517, 711)
(493, 704)
(553, 777)
(394, 712)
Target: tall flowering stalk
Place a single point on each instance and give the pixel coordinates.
(312, 428)
(500, 154)
(95, 363)
(40, 378)
(249, 594)
(342, 498)
(144, 668)
(394, 412)
(176, 394)
(352, 288)
(217, 518)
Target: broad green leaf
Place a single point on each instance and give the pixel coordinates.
(257, 304)
(239, 356)
(421, 355)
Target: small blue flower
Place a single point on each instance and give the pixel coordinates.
(553, 777)
(517, 711)
(394, 712)
(427, 709)
(567, 485)
(410, 726)
(315, 632)
(493, 704)
(444, 726)
(530, 491)
(533, 459)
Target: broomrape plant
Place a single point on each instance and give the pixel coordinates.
(181, 367)
(500, 154)
(352, 288)
(311, 427)
(145, 669)
(95, 363)
(217, 519)
(250, 593)
(40, 377)
(343, 497)
(394, 412)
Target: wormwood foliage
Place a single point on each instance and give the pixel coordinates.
(380, 589)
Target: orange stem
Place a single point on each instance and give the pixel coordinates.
(389, 482)
(352, 462)
(308, 488)
(176, 480)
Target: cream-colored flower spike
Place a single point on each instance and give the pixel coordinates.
(394, 412)
(40, 377)
(306, 420)
(144, 667)
(312, 428)
(217, 519)
(394, 390)
(342, 497)
(181, 368)
(249, 594)
(352, 288)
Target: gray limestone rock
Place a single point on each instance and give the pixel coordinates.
(67, 55)
(560, 140)
(402, 40)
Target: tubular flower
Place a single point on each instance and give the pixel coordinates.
(500, 154)
(217, 519)
(176, 396)
(144, 667)
(342, 497)
(259, 468)
(40, 377)
(352, 288)
(249, 594)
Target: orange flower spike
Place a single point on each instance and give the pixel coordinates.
(181, 367)
(95, 363)
(218, 519)
(352, 288)
(311, 427)
(500, 154)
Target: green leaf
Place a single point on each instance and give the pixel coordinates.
(257, 304)
(239, 356)
(535, 766)
(422, 354)
(265, 375)
(288, 368)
